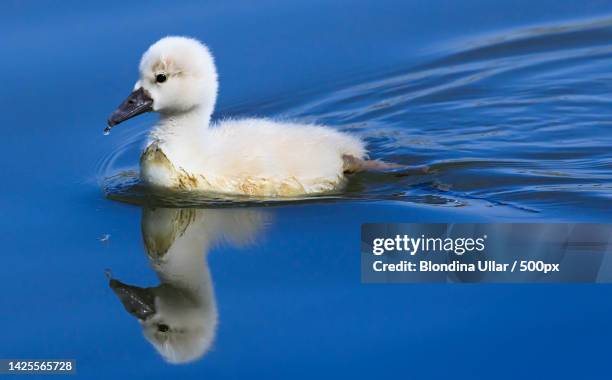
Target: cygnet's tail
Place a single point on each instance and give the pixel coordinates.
(352, 164)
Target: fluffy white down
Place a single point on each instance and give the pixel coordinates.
(260, 157)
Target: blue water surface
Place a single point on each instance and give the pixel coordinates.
(507, 102)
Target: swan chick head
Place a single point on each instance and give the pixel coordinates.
(180, 325)
(177, 75)
(180, 334)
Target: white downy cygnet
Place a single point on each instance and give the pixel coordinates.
(179, 316)
(255, 157)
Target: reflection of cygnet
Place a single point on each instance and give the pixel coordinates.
(179, 316)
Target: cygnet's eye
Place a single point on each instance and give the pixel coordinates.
(162, 327)
(160, 78)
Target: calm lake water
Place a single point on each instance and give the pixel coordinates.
(509, 103)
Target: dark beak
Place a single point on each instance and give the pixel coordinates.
(140, 302)
(138, 102)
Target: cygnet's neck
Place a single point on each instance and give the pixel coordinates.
(186, 124)
(182, 136)
(186, 268)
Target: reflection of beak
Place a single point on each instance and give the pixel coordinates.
(140, 302)
(138, 102)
